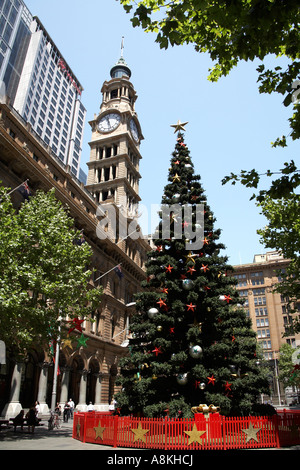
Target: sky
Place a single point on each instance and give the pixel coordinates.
(230, 125)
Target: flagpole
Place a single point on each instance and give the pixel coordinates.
(54, 386)
(102, 275)
(8, 194)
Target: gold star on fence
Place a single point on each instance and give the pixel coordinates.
(251, 433)
(99, 431)
(139, 433)
(194, 435)
(179, 126)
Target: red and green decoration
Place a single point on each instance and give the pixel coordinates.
(189, 327)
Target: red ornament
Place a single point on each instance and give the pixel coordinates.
(191, 307)
(191, 270)
(205, 267)
(211, 380)
(205, 241)
(161, 303)
(169, 268)
(227, 298)
(227, 387)
(157, 351)
(159, 248)
(172, 330)
(75, 324)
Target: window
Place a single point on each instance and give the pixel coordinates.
(259, 301)
(262, 311)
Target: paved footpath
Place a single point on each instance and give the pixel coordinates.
(43, 439)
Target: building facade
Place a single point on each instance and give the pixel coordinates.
(268, 310)
(40, 84)
(86, 374)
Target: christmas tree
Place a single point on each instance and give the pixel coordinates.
(191, 342)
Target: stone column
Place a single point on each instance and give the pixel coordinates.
(13, 407)
(64, 385)
(98, 390)
(42, 392)
(82, 391)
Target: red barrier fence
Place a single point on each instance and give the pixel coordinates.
(214, 432)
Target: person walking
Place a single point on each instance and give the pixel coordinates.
(66, 412)
(72, 406)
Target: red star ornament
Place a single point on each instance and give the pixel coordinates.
(191, 307)
(76, 325)
(161, 303)
(227, 386)
(205, 267)
(157, 351)
(191, 270)
(227, 298)
(172, 330)
(169, 268)
(211, 380)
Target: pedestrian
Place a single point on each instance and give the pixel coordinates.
(19, 420)
(72, 406)
(37, 408)
(58, 409)
(66, 412)
(31, 419)
(90, 407)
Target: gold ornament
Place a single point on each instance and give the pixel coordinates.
(99, 431)
(251, 433)
(67, 343)
(176, 178)
(179, 126)
(139, 433)
(194, 435)
(190, 257)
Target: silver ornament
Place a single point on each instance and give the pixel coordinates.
(202, 386)
(195, 351)
(187, 284)
(152, 312)
(182, 379)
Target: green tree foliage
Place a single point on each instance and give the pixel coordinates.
(44, 271)
(289, 371)
(198, 345)
(231, 31)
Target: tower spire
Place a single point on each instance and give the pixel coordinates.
(121, 68)
(122, 47)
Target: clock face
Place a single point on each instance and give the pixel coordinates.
(109, 122)
(134, 130)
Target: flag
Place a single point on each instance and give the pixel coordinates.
(81, 240)
(24, 190)
(118, 271)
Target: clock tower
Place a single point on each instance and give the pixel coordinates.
(113, 174)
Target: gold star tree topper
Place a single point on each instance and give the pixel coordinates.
(179, 126)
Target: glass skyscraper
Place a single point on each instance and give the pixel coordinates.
(40, 84)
